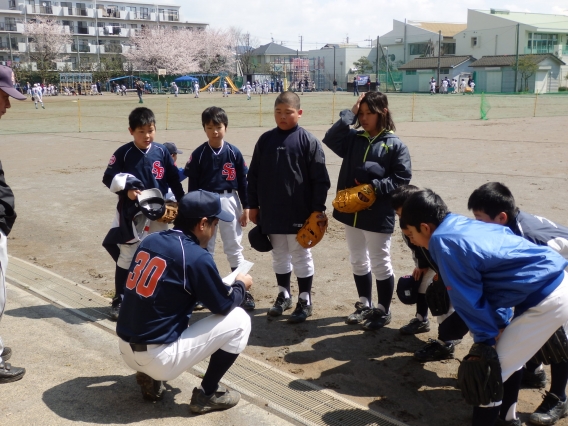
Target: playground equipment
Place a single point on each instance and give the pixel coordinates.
(218, 78)
(211, 83)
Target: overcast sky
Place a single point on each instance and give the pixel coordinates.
(332, 21)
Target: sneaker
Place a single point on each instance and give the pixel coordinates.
(198, 306)
(114, 311)
(152, 390)
(362, 312)
(549, 411)
(376, 320)
(222, 399)
(301, 313)
(514, 422)
(282, 303)
(248, 302)
(415, 326)
(435, 350)
(10, 374)
(534, 380)
(6, 353)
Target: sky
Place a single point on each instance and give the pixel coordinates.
(333, 21)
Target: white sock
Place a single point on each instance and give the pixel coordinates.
(283, 290)
(306, 296)
(511, 413)
(420, 317)
(364, 301)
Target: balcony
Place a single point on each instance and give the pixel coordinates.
(9, 27)
(4, 46)
(83, 48)
(34, 9)
(112, 48)
(82, 30)
(108, 13)
(12, 4)
(164, 17)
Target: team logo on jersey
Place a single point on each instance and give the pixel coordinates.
(157, 170)
(112, 160)
(229, 171)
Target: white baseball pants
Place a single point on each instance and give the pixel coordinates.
(3, 267)
(231, 232)
(288, 254)
(199, 341)
(127, 250)
(369, 251)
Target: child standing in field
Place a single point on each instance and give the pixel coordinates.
(287, 182)
(375, 156)
(217, 166)
(138, 165)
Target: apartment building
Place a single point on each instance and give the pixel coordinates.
(98, 27)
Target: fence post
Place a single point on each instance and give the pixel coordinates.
(79, 113)
(167, 112)
(333, 109)
(413, 100)
(535, 101)
(260, 111)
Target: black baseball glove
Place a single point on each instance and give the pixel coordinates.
(437, 297)
(479, 376)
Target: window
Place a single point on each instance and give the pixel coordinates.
(410, 72)
(444, 70)
(541, 43)
(474, 41)
(10, 24)
(448, 48)
(144, 12)
(132, 9)
(418, 48)
(133, 25)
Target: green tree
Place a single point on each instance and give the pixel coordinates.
(363, 65)
(528, 66)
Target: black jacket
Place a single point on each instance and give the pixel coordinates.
(357, 148)
(287, 179)
(7, 205)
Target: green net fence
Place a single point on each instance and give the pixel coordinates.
(110, 112)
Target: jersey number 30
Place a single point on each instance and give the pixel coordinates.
(146, 274)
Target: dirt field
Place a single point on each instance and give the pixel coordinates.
(64, 212)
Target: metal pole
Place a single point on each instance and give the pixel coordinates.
(167, 112)
(334, 62)
(10, 44)
(387, 68)
(535, 101)
(260, 111)
(333, 108)
(97, 36)
(377, 66)
(413, 101)
(405, 40)
(439, 52)
(78, 56)
(517, 60)
(79, 113)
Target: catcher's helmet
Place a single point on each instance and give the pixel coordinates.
(407, 289)
(258, 240)
(151, 203)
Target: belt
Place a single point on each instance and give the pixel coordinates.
(224, 191)
(139, 347)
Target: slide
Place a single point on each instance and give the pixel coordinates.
(204, 88)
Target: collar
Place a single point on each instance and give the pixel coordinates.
(189, 235)
(287, 132)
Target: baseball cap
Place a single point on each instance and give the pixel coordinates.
(172, 148)
(7, 82)
(202, 203)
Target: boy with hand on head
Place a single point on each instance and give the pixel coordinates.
(494, 203)
(287, 182)
(217, 166)
(138, 165)
(488, 269)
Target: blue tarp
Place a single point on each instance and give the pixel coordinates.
(185, 78)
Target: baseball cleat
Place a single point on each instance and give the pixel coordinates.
(535, 380)
(362, 312)
(248, 302)
(10, 374)
(282, 303)
(514, 422)
(415, 326)
(221, 399)
(152, 390)
(435, 350)
(301, 313)
(549, 411)
(198, 306)
(114, 311)
(6, 353)
(377, 320)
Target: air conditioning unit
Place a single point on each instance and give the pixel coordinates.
(398, 40)
(474, 41)
(558, 50)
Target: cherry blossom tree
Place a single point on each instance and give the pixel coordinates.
(47, 43)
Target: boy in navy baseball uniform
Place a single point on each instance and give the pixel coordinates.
(487, 268)
(494, 203)
(171, 270)
(288, 181)
(217, 166)
(138, 165)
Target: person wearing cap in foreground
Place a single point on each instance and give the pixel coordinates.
(7, 218)
(170, 271)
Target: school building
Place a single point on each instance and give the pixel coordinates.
(418, 72)
(98, 27)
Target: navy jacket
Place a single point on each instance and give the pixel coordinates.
(287, 179)
(357, 148)
(7, 205)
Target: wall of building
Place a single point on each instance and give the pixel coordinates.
(344, 59)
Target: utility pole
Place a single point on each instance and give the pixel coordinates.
(10, 44)
(439, 52)
(97, 36)
(387, 87)
(377, 66)
(404, 40)
(334, 62)
(370, 40)
(301, 43)
(78, 56)
(517, 60)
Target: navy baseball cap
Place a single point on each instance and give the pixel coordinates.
(172, 148)
(200, 203)
(7, 81)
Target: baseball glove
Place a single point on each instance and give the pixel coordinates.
(555, 350)
(355, 199)
(310, 234)
(479, 376)
(170, 213)
(437, 297)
